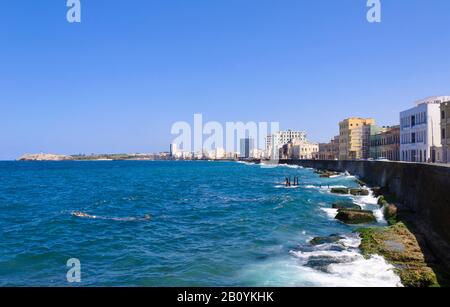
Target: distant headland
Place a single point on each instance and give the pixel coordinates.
(161, 156)
(91, 157)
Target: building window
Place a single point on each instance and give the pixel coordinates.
(413, 155)
(443, 133)
(442, 114)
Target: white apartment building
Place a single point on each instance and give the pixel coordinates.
(420, 132)
(276, 141)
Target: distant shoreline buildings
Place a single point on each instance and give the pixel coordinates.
(422, 135)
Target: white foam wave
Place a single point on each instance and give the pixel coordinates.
(331, 213)
(380, 216)
(309, 186)
(304, 256)
(290, 166)
(370, 202)
(373, 272)
(285, 187)
(346, 268)
(366, 200)
(246, 163)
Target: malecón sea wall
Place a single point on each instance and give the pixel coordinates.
(422, 190)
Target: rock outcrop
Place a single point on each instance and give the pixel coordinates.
(349, 216)
(359, 192)
(326, 240)
(343, 191)
(346, 205)
(354, 192)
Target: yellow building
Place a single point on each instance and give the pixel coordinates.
(354, 138)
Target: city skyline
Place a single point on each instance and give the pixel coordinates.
(118, 81)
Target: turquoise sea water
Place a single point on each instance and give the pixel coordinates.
(212, 224)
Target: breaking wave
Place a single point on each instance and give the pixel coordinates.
(338, 264)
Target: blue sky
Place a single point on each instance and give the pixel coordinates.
(120, 79)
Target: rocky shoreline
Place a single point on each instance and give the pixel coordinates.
(395, 242)
(400, 248)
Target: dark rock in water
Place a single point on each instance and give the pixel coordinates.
(349, 216)
(337, 248)
(326, 240)
(377, 191)
(359, 192)
(346, 205)
(321, 263)
(343, 191)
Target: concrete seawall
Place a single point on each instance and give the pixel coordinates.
(422, 190)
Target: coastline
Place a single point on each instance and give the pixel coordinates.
(403, 242)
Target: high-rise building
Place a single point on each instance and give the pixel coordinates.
(246, 148)
(385, 143)
(445, 131)
(354, 138)
(420, 131)
(173, 150)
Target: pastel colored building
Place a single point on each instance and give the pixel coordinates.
(420, 131)
(354, 138)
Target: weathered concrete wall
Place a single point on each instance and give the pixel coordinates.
(421, 189)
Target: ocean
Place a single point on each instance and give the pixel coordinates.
(158, 223)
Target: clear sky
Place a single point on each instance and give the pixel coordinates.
(120, 79)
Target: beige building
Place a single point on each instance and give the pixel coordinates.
(329, 151)
(354, 138)
(299, 149)
(445, 131)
